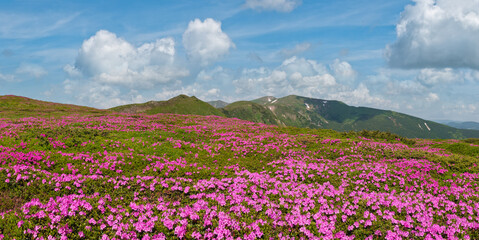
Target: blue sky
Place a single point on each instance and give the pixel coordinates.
(418, 57)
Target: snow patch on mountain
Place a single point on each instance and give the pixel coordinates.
(425, 124)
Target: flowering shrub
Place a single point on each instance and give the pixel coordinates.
(172, 176)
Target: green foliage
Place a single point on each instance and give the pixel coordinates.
(250, 111)
(472, 141)
(124, 163)
(390, 137)
(461, 148)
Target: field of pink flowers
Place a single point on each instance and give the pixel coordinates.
(189, 177)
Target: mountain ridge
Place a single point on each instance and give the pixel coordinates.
(181, 104)
(298, 111)
(18, 106)
(292, 110)
(461, 125)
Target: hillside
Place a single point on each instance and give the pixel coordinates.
(292, 111)
(306, 112)
(169, 176)
(250, 111)
(18, 107)
(317, 113)
(181, 104)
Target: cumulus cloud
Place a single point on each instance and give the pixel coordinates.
(306, 67)
(109, 70)
(100, 95)
(273, 5)
(294, 75)
(358, 96)
(432, 77)
(195, 89)
(205, 42)
(106, 58)
(72, 71)
(343, 71)
(437, 34)
(215, 76)
(405, 88)
(308, 78)
(31, 70)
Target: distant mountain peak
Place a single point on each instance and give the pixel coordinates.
(181, 104)
(218, 104)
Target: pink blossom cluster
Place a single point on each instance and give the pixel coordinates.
(174, 176)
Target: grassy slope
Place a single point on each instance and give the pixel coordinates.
(19, 107)
(306, 142)
(181, 104)
(287, 111)
(250, 111)
(316, 113)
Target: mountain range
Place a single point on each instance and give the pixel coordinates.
(461, 125)
(294, 111)
(297, 111)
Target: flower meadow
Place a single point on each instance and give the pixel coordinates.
(166, 176)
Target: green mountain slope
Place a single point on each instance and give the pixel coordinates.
(181, 104)
(251, 111)
(317, 113)
(19, 107)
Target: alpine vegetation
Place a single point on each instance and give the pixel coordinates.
(167, 176)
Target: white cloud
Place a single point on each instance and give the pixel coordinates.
(305, 77)
(215, 75)
(69, 86)
(304, 66)
(298, 49)
(359, 97)
(72, 71)
(205, 42)
(100, 95)
(405, 88)
(293, 76)
(109, 70)
(343, 71)
(437, 34)
(472, 76)
(195, 89)
(106, 96)
(432, 77)
(106, 58)
(273, 5)
(31, 70)
(460, 111)
(432, 97)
